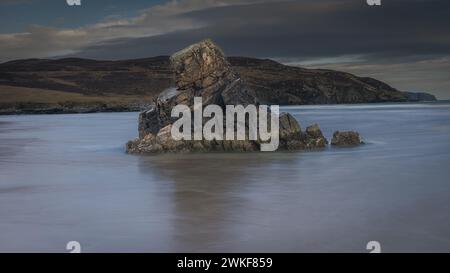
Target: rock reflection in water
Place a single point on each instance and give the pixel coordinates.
(210, 190)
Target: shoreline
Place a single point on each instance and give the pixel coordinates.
(59, 111)
(138, 108)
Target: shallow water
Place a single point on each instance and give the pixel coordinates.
(66, 177)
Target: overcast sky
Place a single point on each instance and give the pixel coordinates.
(403, 42)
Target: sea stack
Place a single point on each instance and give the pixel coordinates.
(201, 70)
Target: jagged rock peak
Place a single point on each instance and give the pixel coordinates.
(200, 66)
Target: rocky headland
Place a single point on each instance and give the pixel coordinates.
(419, 96)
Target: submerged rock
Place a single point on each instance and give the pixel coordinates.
(345, 139)
(201, 70)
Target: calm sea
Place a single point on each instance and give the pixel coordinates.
(67, 178)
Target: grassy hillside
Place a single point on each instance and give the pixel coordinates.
(34, 100)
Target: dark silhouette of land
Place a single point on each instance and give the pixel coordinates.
(74, 85)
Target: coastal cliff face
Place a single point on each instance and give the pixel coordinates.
(286, 85)
(92, 85)
(202, 71)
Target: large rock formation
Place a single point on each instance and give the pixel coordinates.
(202, 70)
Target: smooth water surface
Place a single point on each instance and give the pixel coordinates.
(67, 178)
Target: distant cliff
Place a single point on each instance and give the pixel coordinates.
(117, 85)
(286, 85)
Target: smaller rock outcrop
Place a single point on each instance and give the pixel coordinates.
(148, 122)
(293, 138)
(346, 139)
(315, 137)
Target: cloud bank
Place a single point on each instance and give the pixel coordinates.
(404, 42)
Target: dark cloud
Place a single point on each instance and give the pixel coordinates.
(305, 29)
